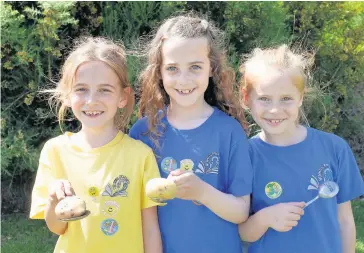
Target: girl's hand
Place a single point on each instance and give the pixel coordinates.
(59, 189)
(189, 186)
(284, 216)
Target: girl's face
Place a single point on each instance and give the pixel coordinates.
(185, 70)
(274, 102)
(96, 95)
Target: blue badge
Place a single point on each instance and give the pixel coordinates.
(168, 164)
(109, 226)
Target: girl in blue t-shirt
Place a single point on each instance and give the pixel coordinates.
(187, 99)
(292, 163)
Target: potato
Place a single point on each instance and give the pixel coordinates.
(160, 189)
(70, 207)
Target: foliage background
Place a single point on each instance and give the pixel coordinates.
(36, 36)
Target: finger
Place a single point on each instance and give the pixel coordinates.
(298, 204)
(296, 210)
(60, 191)
(68, 190)
(291, 223)
(294, 217)
(176, 172)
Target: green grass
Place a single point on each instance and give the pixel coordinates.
(22, 235)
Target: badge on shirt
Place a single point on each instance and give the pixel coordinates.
(109, 226)
(168, 164)
(273, 190)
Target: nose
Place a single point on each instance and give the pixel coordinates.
(91, 98)
(184, 79)
(274, 108)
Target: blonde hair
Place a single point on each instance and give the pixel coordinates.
(220, 92)
(296, 65)
(93, 49)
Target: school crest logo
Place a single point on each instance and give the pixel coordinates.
(117, 187)
(273, 190)
(324, 174)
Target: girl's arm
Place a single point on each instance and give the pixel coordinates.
(281, 217)
(151, 233)
(347, 227)
(58, 190)
(54, 225)
(226, 206)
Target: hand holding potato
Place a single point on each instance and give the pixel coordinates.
(189, 186)
(60, 189)
(160, 189)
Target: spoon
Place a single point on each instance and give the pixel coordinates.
(327, 190)
(76, 218)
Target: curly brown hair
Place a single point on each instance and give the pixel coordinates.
(93, 49)
(220, 90)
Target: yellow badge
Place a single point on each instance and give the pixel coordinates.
(187, 165)
(93, 191)
(273, 190)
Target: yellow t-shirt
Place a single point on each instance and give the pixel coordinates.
(111, 179)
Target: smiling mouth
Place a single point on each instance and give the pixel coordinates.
(275, 121)
(92, 114)
(185, 91)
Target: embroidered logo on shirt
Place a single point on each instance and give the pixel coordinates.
(186, 165)
(110, 208)
(324, 174)
(273, 190)
(168, 164)
(210, 165)
(117, 187)
(109, 226)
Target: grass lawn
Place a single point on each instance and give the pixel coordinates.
(21, 235)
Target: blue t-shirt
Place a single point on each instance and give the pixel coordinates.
(217, 152)
(294, 173)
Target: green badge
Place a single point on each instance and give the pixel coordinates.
(273, 190)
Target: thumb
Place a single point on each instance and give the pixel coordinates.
(298, 204)
(176, 172)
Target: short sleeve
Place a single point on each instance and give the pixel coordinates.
(240, 167)
(40, 189)
(150, 171)
(349, 179)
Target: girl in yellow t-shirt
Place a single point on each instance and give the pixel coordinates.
(99, 164)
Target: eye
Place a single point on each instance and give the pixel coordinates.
(196, 67)
(264, 99)
(286, 99)
(105, 90)
(80, 89)
(171, 69)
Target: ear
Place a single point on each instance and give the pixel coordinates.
(300, 101)
(245, 97)
(124, 98)
(67, 102)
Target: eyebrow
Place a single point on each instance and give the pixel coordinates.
(194, 62)
(102, 85)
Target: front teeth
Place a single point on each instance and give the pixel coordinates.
(185, 91)
(92, 113)
(276, 121)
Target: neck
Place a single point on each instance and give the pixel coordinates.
(96, 137)
(188, 117)
(290, 137)
(196, 111)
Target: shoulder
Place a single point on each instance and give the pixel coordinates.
(56, 142)
(136, 146)
(330, 140)
(139, 127)
(227, 123)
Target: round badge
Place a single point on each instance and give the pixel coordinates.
(168, 164)
(273, 190)
(110, 208)
(109, 227)
(93, 191)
